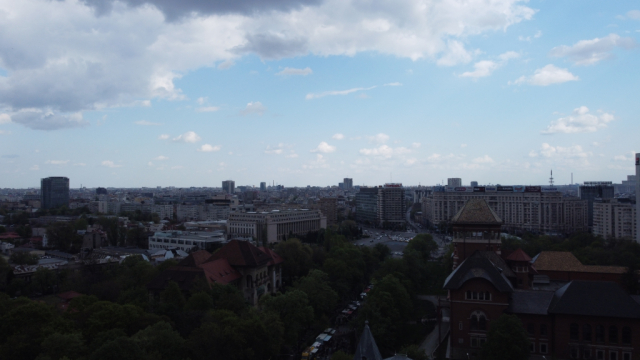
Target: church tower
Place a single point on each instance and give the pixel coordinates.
(475, 228)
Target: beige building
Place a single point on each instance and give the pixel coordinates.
(614, 220)
(276, 225)
(537, 211)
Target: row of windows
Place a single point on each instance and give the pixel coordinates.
(477, 295)
(531, 329)
(544, 347)
(599, 354)
(574, 333)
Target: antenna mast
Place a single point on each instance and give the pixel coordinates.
(551, 178)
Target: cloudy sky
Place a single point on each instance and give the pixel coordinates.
(306, 92)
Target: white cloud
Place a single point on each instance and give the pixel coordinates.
(163, 137)
(34, 167)
(629, 158)
(380, 138)
(415, 145)
(177, 167)
(93, 62)
(210, 148)
(5, 118)
(146, 123)
(589, 52)
(385, 151)
(254, 108)
(319, 163)
(110, 164)
(336, 92)
(188, 137)
(528, 38)
(483, 160)
(581, 121)
(548, 75)
(201, 100)
(634, 14)
(47, 119)
(463, 145)
(393, 84)
(226, 65)
(338, 136)
(5, 132)
(207, 109)
(57, 162)
(549, 151)
(79, 164)
(323, 147)
(292, 155)
(486, 67)
(293, 71)
(161, 158)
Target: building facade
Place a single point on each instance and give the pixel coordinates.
(275, 226)
(229, 186)
(391, 204)
(454, 182)
(185, 240)
(329, 208)
(613, 219)
(522, 208)
(54, 191)
(592, 190)
(367, 205)
(348, 183)
(263, 186)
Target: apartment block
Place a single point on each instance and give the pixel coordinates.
(329, 208)
(613, 219)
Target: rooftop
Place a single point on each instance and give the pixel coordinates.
(566, 261)
(476, 211)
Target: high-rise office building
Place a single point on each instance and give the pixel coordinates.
(592, 190)
(263, 186)
(638, 197)
(229, 186)
(454, 182)
(348, 183)
(367, 205)
(474, 183)
(55, 192)
(391, 204)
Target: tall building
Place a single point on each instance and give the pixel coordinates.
(454, 182)
(474, 183)
(367, 205)
(592, 190)
(229, 186)
(101, 191)
(522, 208)
(329, 208)
(391, 204)
(348, 183)
(54, 191)
(637, 197)
(263, 186)
(613, 218)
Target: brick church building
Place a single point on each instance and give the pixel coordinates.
(569, 310)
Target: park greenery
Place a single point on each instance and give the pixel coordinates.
(117, 319)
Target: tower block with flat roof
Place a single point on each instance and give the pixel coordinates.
(475, 228)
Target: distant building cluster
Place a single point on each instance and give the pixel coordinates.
(381, 205)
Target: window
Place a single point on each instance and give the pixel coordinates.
(478, 321)
(586, 354)
(599, 354)
(532, 347)
(467, 295)
(573, 332)
(626, 336)
(586, 332)
(483, 341)
(574, 352)
(600, 334)
(460, 326)
(487, 296)
(626, 356)
(613, 334)
(474, 342)
(543, 329)
(531, 329)
(544, 348)
(613, 355)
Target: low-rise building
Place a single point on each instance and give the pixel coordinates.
(276, 225)
(185, 240)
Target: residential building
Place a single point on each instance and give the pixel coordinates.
(474, 183)
(454, 182)
(614, 219)
(101, 191)
(522, 208)
(229, 186)
(348, 184)
(255, 271)
(592, 190)
(185, 240)
(391, 204)
(274, 226)
(329, 208)
(54, 191)
(367, 205)
(263, 186)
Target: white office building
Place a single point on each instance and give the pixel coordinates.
(184, 240)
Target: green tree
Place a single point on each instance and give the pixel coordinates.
(57, 346)
(506, 340)
(23, 329)
(119, 349)
(62, 236)
(44, 280)
(161, 342)
(414, 352)
(297, 258)
(199, 302)
(293, 309)
(5, 270)
(341, 355)
(423, 244)
(321, 296)
(172, 298)
(137, 237)
(23, 258)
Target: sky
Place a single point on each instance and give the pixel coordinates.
(186, 93)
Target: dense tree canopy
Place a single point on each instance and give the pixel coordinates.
(506, 340)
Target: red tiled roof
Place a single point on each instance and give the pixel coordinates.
(195, 258)
(275, 258)
(220, 272)
(69, 295)
(241, 253)
(11, 235)
(519, 255)
(566, 261)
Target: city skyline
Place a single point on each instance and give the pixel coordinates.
(309, 93)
